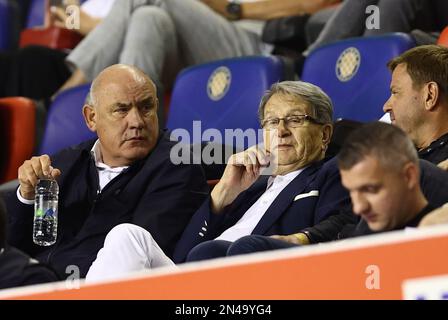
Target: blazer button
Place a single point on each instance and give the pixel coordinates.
(117, 192)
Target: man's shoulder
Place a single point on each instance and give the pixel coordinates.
(70, 153)
(328, 166)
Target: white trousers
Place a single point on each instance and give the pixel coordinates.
(127, 248)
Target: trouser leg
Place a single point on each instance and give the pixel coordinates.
(127, 248)
(209, 250)
(257, 243)
(348, 21)
(204, 35)
(403, 16)
(102, 47)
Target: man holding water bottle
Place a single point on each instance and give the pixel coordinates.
(124, 176)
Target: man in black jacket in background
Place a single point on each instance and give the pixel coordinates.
(17, 268)
(124, 176)
(418, 104)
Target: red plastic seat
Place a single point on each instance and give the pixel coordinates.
(51, 37)
(17, 132)
(443, 39)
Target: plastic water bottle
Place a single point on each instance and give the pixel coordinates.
(45, 225)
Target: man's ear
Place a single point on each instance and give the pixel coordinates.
(431, 95)
(89, 114)
(327, 132)
(411, 174)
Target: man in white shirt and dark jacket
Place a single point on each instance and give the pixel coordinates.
(380, 168)
(124, 176)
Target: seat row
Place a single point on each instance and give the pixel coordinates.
(221, 95)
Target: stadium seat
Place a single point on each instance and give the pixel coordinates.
(9, 24)
(443, 38)
(36, 13)
(65, 124)
(17, 132)
(354, 74)
(222, 95)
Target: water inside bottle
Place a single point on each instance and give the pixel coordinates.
(45, 219)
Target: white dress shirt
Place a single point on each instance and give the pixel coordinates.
(253, 215)
(105, 173)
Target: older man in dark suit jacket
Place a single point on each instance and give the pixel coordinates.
(124, 176)
(391, 189)
(296, 118)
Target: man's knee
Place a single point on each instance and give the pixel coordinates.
(125, 232)
(208, 250)
(244, 245)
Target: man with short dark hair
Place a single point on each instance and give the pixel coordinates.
(419, 106)
(419, 99)
(380, 168)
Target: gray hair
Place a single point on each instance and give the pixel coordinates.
(314, 97)
(89, 98)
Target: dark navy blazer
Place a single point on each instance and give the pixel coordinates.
(315, 194)
(152, 193)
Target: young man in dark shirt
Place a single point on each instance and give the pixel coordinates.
(418, 104)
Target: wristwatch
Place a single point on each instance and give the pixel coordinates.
(233, 9)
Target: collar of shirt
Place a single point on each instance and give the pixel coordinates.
(98, 157)
(434, 145)
(283, 179)
(105, 173)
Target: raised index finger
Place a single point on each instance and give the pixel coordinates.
(45, 162)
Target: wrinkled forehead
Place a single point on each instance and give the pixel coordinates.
(285, 104)
(124, 92)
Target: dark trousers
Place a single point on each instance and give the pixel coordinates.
(34, 72)
(249, 244)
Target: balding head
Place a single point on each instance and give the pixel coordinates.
(122, 110)
(118, 74)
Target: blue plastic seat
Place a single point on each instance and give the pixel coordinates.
(65, 125)
(36, 13)
(222, 95)
(354, 73)
(9, 24)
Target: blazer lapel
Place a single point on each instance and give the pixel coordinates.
(285, 198)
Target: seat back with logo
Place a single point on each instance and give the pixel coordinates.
(65, 124)
(221, 95)
(354, 73)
